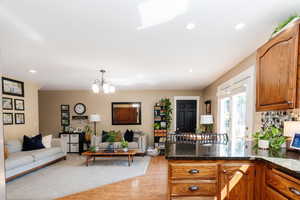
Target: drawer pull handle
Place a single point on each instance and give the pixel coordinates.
(193, 188)
(295, 191)
(194, 171)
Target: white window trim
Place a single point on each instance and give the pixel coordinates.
(250, 72)
(197, 98)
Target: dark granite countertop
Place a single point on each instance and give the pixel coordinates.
(287, 161)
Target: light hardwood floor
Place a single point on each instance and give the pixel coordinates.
(151, 186)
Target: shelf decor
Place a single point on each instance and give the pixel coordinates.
(65, 116)
(162, 122)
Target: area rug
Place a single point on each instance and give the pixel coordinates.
(72, 176)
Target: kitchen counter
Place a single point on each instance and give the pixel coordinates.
(286, 161)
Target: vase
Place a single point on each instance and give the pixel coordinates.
(125, 149)
(110, 147)
(263, 144)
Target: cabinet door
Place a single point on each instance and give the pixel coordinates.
(276, 72)
(237, 181)
(273, 195)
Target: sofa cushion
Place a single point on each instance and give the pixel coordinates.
(13, 146)
(128, 136)
(32, 143)
(44, 153)
(18, 159)
(104, 136)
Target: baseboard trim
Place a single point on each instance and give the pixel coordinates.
(34, 169)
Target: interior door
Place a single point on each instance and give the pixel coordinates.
(186, 115)
(2, 171)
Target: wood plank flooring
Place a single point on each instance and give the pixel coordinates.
(151, 186)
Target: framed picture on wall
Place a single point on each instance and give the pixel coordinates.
(7, 118)
(19, 118)
(64, 107)
(7, 103)
(19, 104)
(12, 87)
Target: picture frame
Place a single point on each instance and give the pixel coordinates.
(8, 119)
(12, 87)
(64, 107)
(19, 118)
(295, 144)
(19, 104)
(7, 103)
(126, 113)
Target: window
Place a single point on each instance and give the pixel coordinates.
(236, 105)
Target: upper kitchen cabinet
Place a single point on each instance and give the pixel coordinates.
(277, 66)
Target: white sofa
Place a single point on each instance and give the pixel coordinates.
(139, 143)
(21, 162)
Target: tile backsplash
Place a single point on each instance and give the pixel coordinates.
(277, 118)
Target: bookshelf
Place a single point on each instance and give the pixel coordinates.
(160, 127)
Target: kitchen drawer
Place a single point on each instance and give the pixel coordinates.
(191, 170)
(74, 138)
(65, 137)
(74, 148)
(193, 188)
(194, 198)
(273, 195)
(282, 184)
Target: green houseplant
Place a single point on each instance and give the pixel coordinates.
(166, 102)
(284, 23)
(111, 139)
(270, 137)
(124, 145)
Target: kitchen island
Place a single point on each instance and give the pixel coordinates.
(236, 170)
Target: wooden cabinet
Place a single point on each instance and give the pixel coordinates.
(230, 180)
(237, 181)
(277, 66)
(288, 186)
(273, 195)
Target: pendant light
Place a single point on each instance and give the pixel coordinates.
(106, 87)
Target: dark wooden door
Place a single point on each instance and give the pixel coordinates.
(186, 115)
(276, 72)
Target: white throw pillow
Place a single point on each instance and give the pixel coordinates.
(46, 140)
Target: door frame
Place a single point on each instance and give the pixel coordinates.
(197, 98)
(251, 95)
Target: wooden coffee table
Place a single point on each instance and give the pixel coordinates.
(102, 153)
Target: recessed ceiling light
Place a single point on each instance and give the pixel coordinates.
(190, 26)
(239, 26)
(32, 71)
(190, 70)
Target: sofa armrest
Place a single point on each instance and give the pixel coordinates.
(59, 142)
(142, 142)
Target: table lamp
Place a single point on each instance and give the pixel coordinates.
(207, 121)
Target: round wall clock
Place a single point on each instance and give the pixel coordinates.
(79, 108)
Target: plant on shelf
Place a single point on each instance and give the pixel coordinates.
(156, 126)
(284, 23)
(270, 137)
(124, 145)
(166, 102)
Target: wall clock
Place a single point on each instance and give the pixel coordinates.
(79, 108)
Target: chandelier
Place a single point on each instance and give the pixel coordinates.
(106, 87)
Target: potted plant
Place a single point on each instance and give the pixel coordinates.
(88, 133)
(111, 139)
(270, 137)
(124, 145)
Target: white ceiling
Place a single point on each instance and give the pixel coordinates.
(67, 40)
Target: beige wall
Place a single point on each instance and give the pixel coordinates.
(50, 101)
(210, 92)
(31, 126)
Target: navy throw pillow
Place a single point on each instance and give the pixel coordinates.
(32, 143)
(128, 136)
(105, 136)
